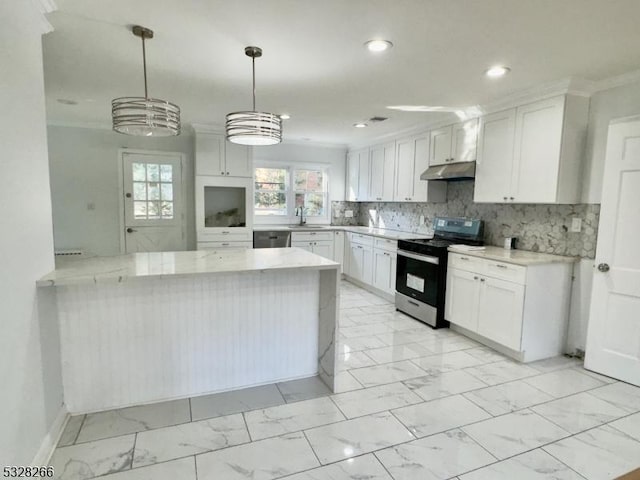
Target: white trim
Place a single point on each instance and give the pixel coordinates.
(183, 212)
(51, 439)
(43, 7)
(617, 81)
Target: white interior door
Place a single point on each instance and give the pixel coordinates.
(613, 339)
(153, 202)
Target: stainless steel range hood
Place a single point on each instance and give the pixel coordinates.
(450, 172)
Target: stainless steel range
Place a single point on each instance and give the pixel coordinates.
(421, 276)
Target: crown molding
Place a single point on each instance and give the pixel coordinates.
(617, 81)
(43, 7)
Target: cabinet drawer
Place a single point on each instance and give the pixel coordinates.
(228, 236)
(505, 271)
(386, 244)
(466, 262)
(311, 236)
(229, 244)
(362, 239)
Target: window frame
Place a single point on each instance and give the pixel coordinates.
(291, 191)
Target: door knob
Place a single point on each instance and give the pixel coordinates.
(604, 267)
(131, 230)
(128, 195)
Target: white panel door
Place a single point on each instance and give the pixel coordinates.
(500, 311)
(308, 246)
(420, 187)
(440, 152)
(405, 170)
(464, 141)
(237, 160)
(382, 270)
(210, 154)
(382, 172)
(353, 173)
(613, 339)
(537, 151)
(324, 249)
(356, 261)
(364, 175)
(367, 265)
(494, 165)
(153, 202)
(461, 303)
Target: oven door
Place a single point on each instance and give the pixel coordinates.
(417, 277)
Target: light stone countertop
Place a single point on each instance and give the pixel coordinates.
(517, 257)
(375, 232)
(119, 268)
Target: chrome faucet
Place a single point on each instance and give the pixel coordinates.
(300, 213)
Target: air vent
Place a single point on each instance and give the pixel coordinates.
(378, 119)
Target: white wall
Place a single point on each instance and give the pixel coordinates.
(84, 170)
(606, 105)
(31, 398)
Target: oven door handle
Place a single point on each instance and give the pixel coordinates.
(420, 258)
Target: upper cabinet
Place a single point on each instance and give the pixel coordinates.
(454, 143)
(532, 153)
(412, 158)
(358, 171)
(217, 157)
(382, 172)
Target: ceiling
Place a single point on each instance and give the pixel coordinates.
(315, 66)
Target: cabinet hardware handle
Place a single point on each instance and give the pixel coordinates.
(413, 303)
(482, 279)
(128, 195)
(131, 230)
(387, 254)
(501, 266)
(227, 173)
(225, 232)
(221, 173)
(312, 233)
(464, 258)
(604, 267)
(511, 198)
(475, 278)
(225, 244)
(505, 198)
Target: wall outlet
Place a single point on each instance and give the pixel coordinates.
(576, 224)
(348, 213)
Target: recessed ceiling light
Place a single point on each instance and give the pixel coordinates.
(285, 116)
(66, 101)
(360, 125)
(497, 71)
(378, 45)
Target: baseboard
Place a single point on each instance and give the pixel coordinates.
(52, 437)
(370, 288)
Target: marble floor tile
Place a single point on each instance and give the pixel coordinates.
(349, 360)
(439, 415)
(387, 373)
(507, 397)
(445, 384)
(368, 319)
(71, 430)
(187, 439)
(450, 344)
(501, 372)
(360, 343)
(181, 469)
(563, 382)
(92, 459)
(533, 465)
(406, 336)
(303, 389)
(292, 417)
(375, 399)
(597, 376)
(388, 307)
(345, 382)
(366, 330)
(622, 395)
(446, 362)
(486, 354)
(403, 323)
(262, 460)
(555, 363)
(629, 425)
(133, 419)
(438, 457)
(579, 412)
(351, 438)
(365, 467)
(514, 433)
(602, 453)
(396, 353)
(237, 401)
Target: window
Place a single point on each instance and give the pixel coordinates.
(152, 191)
(281, 189)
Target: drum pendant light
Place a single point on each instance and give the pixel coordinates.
(145, 116)
(254, 128)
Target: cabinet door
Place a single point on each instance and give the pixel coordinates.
(463, 293)
(367, 265)
(356, 261)
(405, 170)
(338, 249)
(364, 175)
(500, 311)
(381, 269)
(440, 152)
(538, 140)
(353, 173)
(238, 160)
(324, 249)
(421, 159)
(495, 157)
(210, 154)
(308, 246)
(464, 141)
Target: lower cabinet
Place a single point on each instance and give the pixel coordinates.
(324, 248)
(384, 270)
(361, 263)
(524, 309)
(224, 244)
(372, 261)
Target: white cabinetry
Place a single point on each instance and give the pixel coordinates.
(382, 172)
(361, 257)
(522, 311)
(412, 158)
(372, 261)
(338, 249)
(385, 261)
(358, 171)
(454, 143)
(320, 243)
(217, 157)
(532, 153)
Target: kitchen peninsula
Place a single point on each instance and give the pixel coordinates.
(148, 327)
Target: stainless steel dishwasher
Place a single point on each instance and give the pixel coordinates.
(272, 239)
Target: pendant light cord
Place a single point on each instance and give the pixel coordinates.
(253, 63)
(144, 67)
